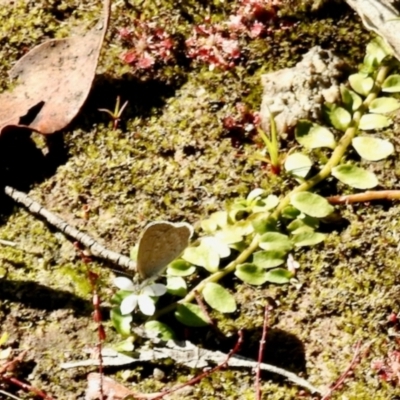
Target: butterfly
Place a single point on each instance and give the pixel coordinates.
(159, 244)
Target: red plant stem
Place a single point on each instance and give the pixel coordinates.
(366, 196)
(261, 352)
(10, 364)
(342, 377)
(203, 308)
(93, 278)
(27, 387)
(198, 378)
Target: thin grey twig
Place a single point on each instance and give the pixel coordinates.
(95, 247)
(186, 353)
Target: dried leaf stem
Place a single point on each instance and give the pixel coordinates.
(365, 197)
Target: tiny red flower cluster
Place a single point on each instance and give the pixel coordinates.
(211, 45)
(246, 120)
(253, 16)
(388, 368)
(217, 44)
(150, 44)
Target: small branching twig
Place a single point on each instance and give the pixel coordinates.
(95, 248)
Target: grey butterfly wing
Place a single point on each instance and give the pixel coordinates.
(160, 243)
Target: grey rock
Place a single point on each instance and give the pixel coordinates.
(298, 93)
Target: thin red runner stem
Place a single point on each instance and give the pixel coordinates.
(261, 352)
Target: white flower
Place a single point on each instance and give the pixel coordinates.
(142, 296)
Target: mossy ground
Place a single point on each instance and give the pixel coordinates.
(172, 159)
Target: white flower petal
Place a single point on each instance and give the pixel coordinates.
(124, 283)
(128, 304)
(146, 305)
(156, 289)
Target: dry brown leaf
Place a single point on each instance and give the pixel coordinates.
(54, 80)
(111, 389)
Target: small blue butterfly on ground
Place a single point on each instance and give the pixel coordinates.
(159, 244)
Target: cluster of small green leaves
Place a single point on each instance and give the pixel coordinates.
(233, 230)
(226, 235)
(374, 115)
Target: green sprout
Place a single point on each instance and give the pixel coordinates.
(272, 146)
(116, 114)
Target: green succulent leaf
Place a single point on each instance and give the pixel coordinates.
(180, 268)
(176, 286)
(306, 224)
(191, 315)
(122, 323)
(340, 118)
(255, 193)
(370, 64)
(220, 217)
(251, 274)
(163, 331)
(361, 83)
(217, 220)
(298, 164)
(133, 252)
(280, 276)
(218, 245)
(391, 84)
(125, 345)
(372, 149)
(218, 298)
(275, 241)
(209, 226)
(355, 177)
(290, 212)
(313, 136)
(269, 203)
(231, 234)
(311, 204)
(384, 105)
(4, 338)
(308, 238)
(269, 259)
(262, 223)
(374, 121)
(378, 49)
(351, 100)
(203, 256)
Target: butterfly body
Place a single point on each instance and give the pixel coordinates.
(160, 243)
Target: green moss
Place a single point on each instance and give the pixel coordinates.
(172, 159)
